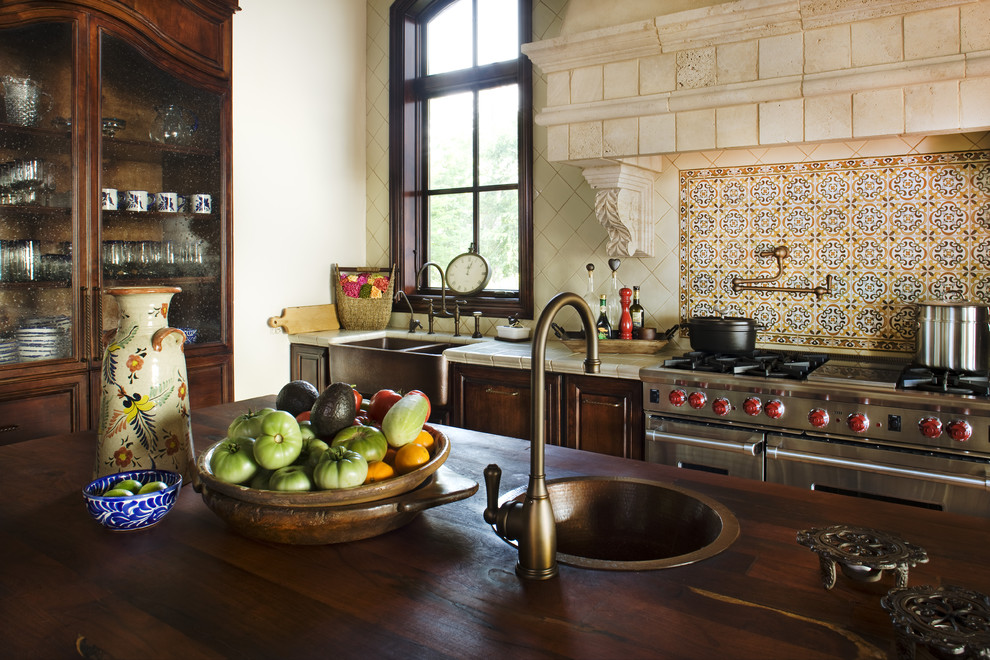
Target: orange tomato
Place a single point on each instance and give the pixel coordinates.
(379, 471)
(424, 438)
(411, 456)
(390, 456)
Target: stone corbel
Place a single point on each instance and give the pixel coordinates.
(624, 206)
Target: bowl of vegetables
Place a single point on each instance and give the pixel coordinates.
(133, 500)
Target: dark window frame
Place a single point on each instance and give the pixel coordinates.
(409, 90)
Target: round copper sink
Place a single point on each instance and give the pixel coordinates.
(626, 524)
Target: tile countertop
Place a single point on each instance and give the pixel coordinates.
(513, 355)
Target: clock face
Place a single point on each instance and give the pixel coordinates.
(468, 274)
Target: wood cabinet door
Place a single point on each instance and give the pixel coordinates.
(310, 363)
(496, 400)
(604, 415)
(49, 406)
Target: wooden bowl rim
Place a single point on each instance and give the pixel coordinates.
(341, 497)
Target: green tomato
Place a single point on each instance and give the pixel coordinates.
(306, 429)
(260, 479)
(313, 451)
(152, 486)
(248, 424)
(132, 485)
(279, 442)
(365, 440)
(290, 478)
(340, 467)
(233, 460)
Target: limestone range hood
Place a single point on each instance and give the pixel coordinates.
(751, 73)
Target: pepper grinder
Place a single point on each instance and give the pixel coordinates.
(477, 325)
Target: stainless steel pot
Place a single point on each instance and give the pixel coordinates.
(718, 334)
(952, 335)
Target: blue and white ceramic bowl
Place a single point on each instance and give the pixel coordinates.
(136, 512)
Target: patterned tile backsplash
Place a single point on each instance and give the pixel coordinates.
(890, 231)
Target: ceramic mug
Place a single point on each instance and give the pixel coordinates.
(182, 203)
(109, 199)
(167, 202)
(137, 200)
(202, 203)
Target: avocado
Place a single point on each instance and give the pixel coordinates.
(296, 396)
(333, 410)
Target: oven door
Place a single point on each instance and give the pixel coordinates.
(923, 479)
(706, 447)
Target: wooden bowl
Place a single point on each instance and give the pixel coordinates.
(334, 516)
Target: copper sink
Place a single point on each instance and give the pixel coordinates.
(626, 524)
(397, 363)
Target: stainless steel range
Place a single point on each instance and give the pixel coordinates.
(870, 429)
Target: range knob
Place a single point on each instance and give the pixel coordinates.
(774, 409)
(721, 406)
(818, 418)
(677, 397)
(959, 429)
(697, 400)
(752, 406)
(930, 427)
(858, 422)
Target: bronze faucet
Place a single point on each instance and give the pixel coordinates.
(531, 522)
(443, 313)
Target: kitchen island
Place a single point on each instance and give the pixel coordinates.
(443, 585)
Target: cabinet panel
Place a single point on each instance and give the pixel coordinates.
(310, 363)
(495, 400)
(210, 382)
(604, 415)
(48, 407)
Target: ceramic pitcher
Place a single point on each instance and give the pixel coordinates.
(144, 402)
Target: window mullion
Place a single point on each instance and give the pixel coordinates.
(476, 174)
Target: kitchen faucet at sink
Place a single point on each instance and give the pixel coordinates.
(531, 522)
(413, 322)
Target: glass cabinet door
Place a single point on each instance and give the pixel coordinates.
(37, 269)
(160, 208)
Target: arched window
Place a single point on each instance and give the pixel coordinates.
(461, 146)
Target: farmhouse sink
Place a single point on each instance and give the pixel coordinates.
(626, 524)
(397, 363)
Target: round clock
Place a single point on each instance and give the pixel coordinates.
(468, 273)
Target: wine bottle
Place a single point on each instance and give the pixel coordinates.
(637, 313)
(625, 322)
(604, 327)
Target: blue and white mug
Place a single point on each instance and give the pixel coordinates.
(202, 203)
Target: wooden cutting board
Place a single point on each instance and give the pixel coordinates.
(311, 318)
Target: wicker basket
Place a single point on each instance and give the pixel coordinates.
(363, 313)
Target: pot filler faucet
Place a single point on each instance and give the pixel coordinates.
(531, 522)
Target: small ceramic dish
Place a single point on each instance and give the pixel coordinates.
(124, 514)
(512, 332)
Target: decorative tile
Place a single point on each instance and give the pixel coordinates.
(890, 231)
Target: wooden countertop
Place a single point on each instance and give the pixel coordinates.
(442, 586)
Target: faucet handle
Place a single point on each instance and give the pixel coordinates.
(493, 476)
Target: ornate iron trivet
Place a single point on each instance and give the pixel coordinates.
(951, 622)
(863, 554)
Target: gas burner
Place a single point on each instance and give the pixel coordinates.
(951, 622)
(768, 364)
(862, 553)
(946, 381)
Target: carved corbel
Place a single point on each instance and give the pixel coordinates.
(624, 206)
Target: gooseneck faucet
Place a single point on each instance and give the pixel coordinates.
(443, 313)
(531, 522)
(413, 322)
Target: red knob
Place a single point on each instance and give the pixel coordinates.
(774, 409)
(752, 406)
(697, 400)
(959, 430)
(721, 406)
(818, 418)
(858, 422)
(930, 427)
(677, 397)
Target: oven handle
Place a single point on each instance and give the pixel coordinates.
(890, 470)
(748, 448)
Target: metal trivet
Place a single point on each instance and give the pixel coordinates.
(863, 554)
(951, 622)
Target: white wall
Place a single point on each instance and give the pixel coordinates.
(299, 168)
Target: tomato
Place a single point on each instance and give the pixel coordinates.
(248, 424)
(304, 416)
(290, 477)
(306, 430)
(313, 451)
(260, 480)
(365, 440)
(429, 408)
(280, 441)
(381, 401)
(233, 461)
(357, 399)
(340, 468)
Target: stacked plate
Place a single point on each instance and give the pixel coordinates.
(44, 338)
(8, 350)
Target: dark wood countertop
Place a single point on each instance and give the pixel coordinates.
(442, 586)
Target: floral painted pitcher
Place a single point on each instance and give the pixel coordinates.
(144, 403)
